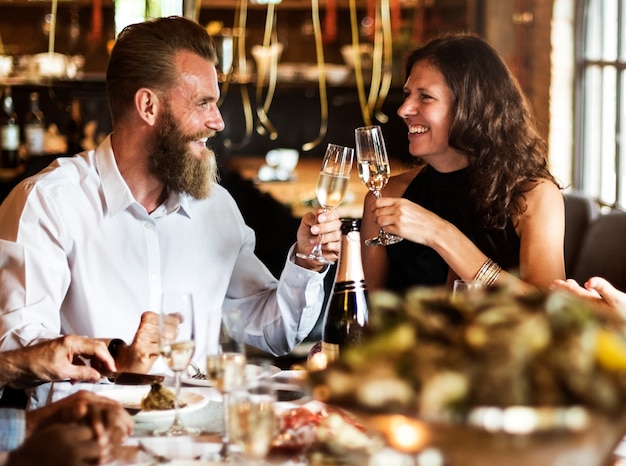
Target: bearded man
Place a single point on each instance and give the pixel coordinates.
(88, 245)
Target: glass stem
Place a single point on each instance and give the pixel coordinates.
(381, 232)
(177, 424)
(317, 247)
(225, 435)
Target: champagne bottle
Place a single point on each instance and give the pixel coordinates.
(347, 313)
(9, 132)
(34, 127)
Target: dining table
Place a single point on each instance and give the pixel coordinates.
(204, 411)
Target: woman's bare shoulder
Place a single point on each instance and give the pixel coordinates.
(543, 190)
(398, 183)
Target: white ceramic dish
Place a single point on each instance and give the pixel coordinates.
(130, 397)
(251, 370)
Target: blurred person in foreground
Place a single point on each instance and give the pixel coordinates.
(91, 242)
(480, 202)
(83, 428)
(600, 292)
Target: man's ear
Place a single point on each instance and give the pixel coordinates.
(147, 105)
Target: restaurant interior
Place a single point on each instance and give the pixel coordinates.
(283, 103)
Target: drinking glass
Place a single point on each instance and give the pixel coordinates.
(373, 165)
(332, 186)
(466, 290)
(252, 421)
(176, 346)
(226, 372)
(461, 286)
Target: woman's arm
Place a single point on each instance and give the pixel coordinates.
(540, 228)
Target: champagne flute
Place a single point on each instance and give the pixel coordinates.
(332, 186)
(373, 165)
(225, 367)
(252, 421)
(176, 345)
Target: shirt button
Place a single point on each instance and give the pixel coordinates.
(147, 225)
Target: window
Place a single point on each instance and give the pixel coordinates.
(600, 164)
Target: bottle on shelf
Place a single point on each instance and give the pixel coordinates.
(75, 129)
(34, 127)
(9, 132)
(347, 312)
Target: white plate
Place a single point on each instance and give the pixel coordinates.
(131, 398)
(251, 371)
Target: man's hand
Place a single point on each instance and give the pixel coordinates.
(57, 359)
(70, 445)
(326, 224)
(141, 354)
(83, 428)
(103, 415)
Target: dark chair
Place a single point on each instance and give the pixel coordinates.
(580, 211)
(603, 250)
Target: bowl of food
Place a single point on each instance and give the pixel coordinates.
(492, 379)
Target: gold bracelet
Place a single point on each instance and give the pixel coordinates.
(488, 273)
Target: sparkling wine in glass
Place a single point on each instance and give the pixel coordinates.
(373, 165)
(226, 372)
(332, 187)
(252, 420)
(176, 345)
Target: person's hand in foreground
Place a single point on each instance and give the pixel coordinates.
(598, 291)
(83, 428)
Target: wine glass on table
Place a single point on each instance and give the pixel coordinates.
(373, 165)
(332, 186)
(252, 420)
(225, 370)
(176, 346)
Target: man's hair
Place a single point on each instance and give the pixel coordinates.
(143, 56)
(492, 124)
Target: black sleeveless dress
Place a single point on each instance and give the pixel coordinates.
(447, 195)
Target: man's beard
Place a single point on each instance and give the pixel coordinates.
(176, 166)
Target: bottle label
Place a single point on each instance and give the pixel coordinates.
(35, 136)
(331, 351)
(10, 137)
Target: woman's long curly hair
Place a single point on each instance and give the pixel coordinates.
(492, 124)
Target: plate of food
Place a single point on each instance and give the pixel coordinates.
(196, 377)
(495, 378)
(159, 405)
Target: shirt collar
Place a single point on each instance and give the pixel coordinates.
(118, 196)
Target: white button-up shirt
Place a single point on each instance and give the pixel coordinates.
(79, 255)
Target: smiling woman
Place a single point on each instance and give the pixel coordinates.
(481, 192)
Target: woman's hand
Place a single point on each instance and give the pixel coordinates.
(407, 220)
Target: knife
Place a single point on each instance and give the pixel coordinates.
(132, 378)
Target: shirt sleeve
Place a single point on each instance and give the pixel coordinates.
(278, 314)
(12, 428)
(33, 269)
